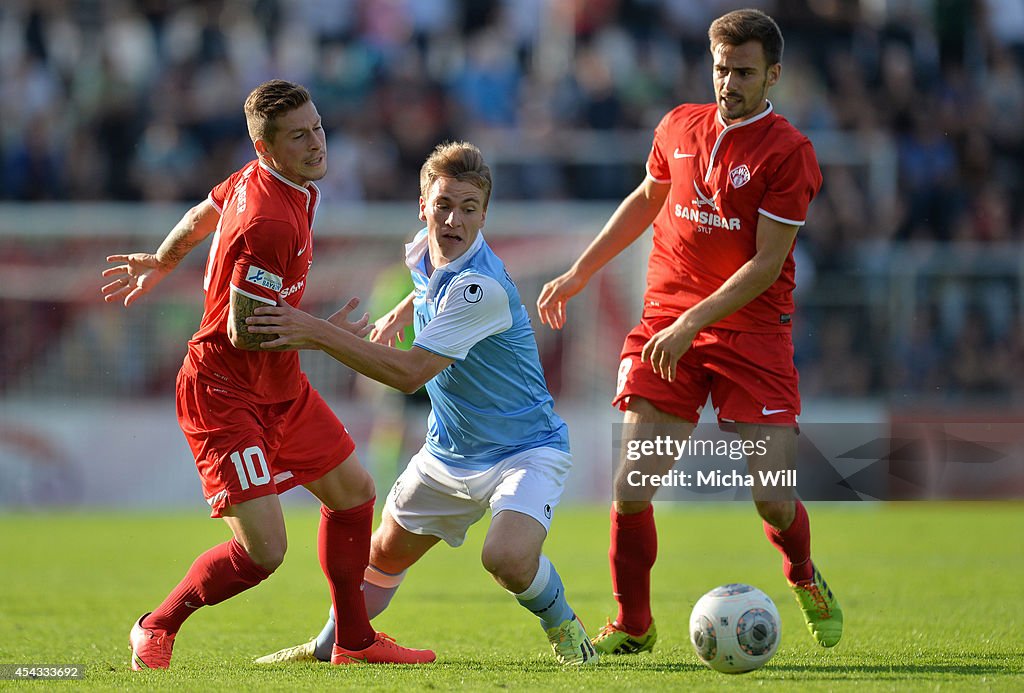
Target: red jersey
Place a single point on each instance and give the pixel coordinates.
(263, 248)
(723, 178)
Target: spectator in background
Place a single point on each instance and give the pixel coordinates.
(100, 64)
(77, 80)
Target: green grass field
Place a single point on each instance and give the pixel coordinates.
(932, 593)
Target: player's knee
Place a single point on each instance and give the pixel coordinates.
(511, 568)
(364, 489)
(269, 555)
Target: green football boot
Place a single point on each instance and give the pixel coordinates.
(821, 609)
(299, 653)
(612, 640)
(571, 645)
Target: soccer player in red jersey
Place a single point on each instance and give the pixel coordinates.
(728, 184)
(255, 425)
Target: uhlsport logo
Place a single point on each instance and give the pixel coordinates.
(739, 176)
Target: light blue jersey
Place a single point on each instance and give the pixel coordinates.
(492, 402)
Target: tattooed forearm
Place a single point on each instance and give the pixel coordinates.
(176, 246)
(241, 308)
(198, 223)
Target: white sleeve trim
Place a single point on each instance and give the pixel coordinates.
(656, 180)
(473, 308)
(261, 299)
(782, 220)
(215, 205)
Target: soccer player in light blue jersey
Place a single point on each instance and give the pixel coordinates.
(493, 438)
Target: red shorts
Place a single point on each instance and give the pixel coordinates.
(245, 450)
(750, 376)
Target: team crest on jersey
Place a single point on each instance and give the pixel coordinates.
(261, 277)
(739, 176)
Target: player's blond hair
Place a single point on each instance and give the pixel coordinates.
(459, 160)
(269, 101)
(740, 26)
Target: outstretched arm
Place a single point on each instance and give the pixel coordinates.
(632, 217)
(241, 337)
(140, 272)
(403, 370)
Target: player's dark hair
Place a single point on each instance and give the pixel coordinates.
(459, 160)
(740, 26)
(267, 102)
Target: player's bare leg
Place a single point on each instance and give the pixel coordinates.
(255, 551)
(258, 525)
(787, 527)
(512, 554)
(347, 494)
(634, 539)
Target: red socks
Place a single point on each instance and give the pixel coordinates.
(344, 548)
(633, 550)
(220, 573)
(795, 544)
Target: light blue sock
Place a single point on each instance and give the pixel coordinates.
(325, 641)
(378, 589)
(545, 597)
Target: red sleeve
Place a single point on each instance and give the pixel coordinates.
(260, 267)
(220, 192)
(792, 187)
(657, 163)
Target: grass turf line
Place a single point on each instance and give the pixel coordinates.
(931, 593)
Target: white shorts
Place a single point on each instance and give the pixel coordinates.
(437, 499)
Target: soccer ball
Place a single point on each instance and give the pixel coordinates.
(735, 628)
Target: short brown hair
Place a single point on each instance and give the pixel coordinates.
(740, 26)
(459, 160)
(269, 101)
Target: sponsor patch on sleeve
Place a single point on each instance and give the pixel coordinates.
(261, 277)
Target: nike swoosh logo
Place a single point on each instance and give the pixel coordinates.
(679, 155)
(299, 254)
(765, 411)
(192, 606)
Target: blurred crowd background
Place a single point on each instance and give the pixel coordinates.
(911, 269)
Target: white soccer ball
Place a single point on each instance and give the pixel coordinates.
(735, 628)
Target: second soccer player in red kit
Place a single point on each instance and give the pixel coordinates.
(728, 185)
(254, 423)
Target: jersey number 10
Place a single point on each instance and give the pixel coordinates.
(253, 471)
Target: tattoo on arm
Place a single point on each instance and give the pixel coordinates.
(198, 223)
(177, 246)
(241, 308)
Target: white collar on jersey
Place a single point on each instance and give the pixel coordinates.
(763, 114)
(419, 247)
(303, 190)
